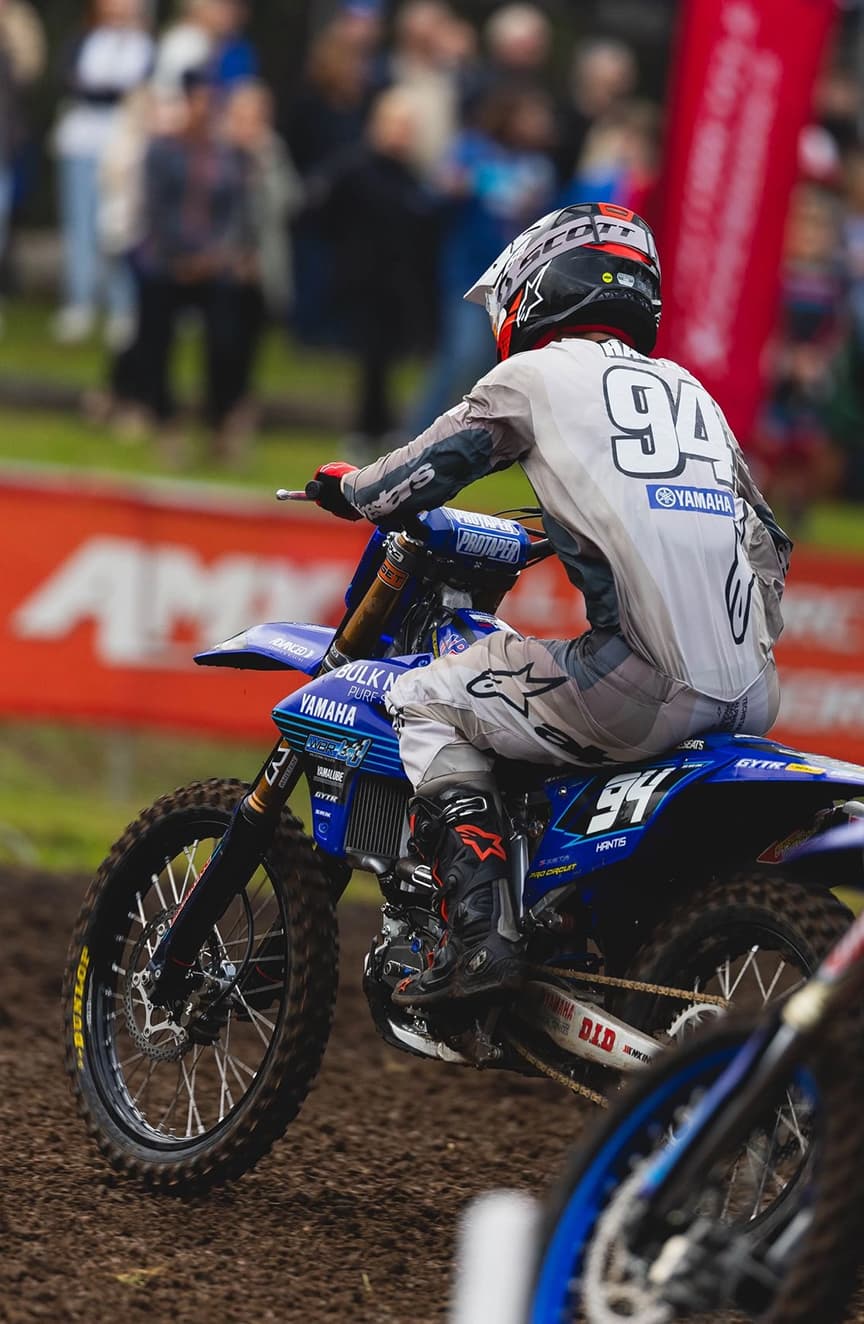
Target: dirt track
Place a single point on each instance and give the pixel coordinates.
(350, 1218)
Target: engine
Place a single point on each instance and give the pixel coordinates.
(403, 947)
(409, 934)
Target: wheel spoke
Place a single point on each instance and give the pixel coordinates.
(795, 1126)
(150, 946)
(255, 1017)
(723, 977)
(134, 1062)
(235, 1063)
(766, 1166)
(172, 1103)
(189, 1082)
(271, 933)
(256, 914)
(730, 1185)
(771, 987)
(169, 869)
(751, 956)
(143, 1086)
(222, 1066)
(191, 871)
(154, 878)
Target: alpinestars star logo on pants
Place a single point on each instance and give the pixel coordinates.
(489, 685)
(485, 845)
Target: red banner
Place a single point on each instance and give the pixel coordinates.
(744, 76)
(109, 591)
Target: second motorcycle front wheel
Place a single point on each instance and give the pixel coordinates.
(189, 1103)
(590, 1266)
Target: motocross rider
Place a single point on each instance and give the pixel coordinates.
(648, 502)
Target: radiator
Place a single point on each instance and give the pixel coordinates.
(377, 817)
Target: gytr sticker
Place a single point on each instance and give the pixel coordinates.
(706, 500)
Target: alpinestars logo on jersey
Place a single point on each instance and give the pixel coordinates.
(489, 685)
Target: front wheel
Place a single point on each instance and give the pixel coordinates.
(588, 1266)
(186, 1104)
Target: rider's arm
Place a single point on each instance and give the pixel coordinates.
(746, 488)
(489, 430)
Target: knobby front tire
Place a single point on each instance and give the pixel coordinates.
(177, 1114)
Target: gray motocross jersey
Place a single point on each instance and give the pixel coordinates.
(645, 495)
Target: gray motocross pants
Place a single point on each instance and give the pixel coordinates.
(590, 701)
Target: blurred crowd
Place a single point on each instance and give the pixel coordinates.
(354, 207)
(422, 157)
(357, 205)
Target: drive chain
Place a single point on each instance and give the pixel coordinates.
(556, 1075)
(635, 985)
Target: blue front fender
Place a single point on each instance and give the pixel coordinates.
(277, 646)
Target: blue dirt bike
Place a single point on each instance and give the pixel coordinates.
(202, 972)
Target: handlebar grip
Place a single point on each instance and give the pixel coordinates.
(313, 489)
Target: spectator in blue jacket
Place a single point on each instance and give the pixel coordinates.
(233, 59)
(496, 180)
(208, 36)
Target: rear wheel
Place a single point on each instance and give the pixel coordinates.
(750, 939)
(188, 1103)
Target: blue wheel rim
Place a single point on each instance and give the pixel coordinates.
(562, 1259)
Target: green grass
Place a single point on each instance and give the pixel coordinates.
(278, 459)
(836, 526)
(67, 793)
(44, 438)
(285, 368)
(28, 352)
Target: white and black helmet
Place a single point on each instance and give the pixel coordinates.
(593, 266)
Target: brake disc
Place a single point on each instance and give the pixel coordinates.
(165, 1039)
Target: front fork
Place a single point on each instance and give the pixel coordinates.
(232, 864)
(251, 830)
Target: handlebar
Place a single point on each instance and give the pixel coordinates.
(540, 550)
(286, 494)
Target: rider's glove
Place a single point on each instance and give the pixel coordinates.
(326, 489)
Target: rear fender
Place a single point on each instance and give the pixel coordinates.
(727, 805)
(277, 646)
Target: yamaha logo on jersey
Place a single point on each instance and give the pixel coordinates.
(701, 500)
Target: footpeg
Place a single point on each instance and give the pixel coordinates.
(476, 1042)
(414, 877)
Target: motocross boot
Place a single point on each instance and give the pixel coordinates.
(461, 834)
